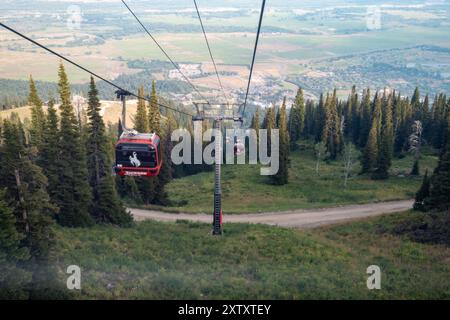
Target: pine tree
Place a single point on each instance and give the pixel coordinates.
(154, 115)
(401, 121)
(366, 120)
(166, 172)
(13, 278)
(416, 105)
(352, 116)
(26, 186)
(49, 159)
(440, 180)
(310, 114)
(439, 111)
(331, 133)
(348, 118)
(97, 142)
(106, 206)
(141, 119)
(119, 129)
(320, 119)
(266, 117)
(277, 114)
(282, 176)
(385, 151)
(269, 125)
(426, 118)
(37, 117)
(255, 125)
(370, 153)
(423, 193)
(297, 118)
(74, 192)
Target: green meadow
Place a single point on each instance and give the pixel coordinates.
(244, 190)
(155, 260)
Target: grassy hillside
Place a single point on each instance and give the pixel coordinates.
(245, 190)
(181, 260)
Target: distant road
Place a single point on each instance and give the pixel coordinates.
(301, 219)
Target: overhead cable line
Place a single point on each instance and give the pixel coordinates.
(254, 53)
(87, 70)
(164, 51)
(209, 49)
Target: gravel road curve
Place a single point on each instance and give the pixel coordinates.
(301, 219)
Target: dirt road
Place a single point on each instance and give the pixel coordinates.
(301, 219)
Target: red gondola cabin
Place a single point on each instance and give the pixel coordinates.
(138, 154)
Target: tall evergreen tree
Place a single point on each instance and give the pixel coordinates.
(439, 124)
(370, 153)
(403, 123)
(310, 115)
(49, 159)
(409, 116)
(426, 117)
(277, 113)
(154, 115)
(422, 194)
(297, 118)
(269, 124)
(356, 116)
(141, 119)
(440, 180)
(119, 128)
(74, 192)
(384, 157)
(13, 278)
(320, 118)
(37, 117)
(282, 176)
(265, 117)
(331, 133)
(366, 119)
(255, 125)
(26, 186)
(106, 206)
(348, 118)
(166, 173)
(416, 105)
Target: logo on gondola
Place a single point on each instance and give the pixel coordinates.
(134, 160)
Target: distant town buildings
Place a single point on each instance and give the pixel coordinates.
(189, 70)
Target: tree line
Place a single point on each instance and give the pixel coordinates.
(381, 125)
